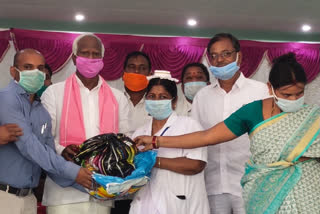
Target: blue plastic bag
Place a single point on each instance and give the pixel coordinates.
(110, 187)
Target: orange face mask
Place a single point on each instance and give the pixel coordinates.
(135, 82)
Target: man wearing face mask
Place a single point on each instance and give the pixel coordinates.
(194, 77)
(216, 102)
(81, 107)
(22, 160)
(137, 66)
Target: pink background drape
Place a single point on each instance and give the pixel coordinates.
(166, 53)
(56, 47)
(4, 43)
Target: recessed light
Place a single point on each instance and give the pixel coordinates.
(79, 17)
(306, 28)
(192, 22)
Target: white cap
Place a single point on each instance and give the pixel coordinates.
(162, 75)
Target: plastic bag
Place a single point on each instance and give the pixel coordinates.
(111, 187)
(119, 169)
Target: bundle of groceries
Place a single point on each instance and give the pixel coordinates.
(119, 168)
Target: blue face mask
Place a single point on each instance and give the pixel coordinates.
(191, 89)
(288, 105)
(159, 109)
(226, 72)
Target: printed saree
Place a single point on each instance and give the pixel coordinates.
(275, 181)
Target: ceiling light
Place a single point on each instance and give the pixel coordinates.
(306, 28)
(79, 17)
(192, 22)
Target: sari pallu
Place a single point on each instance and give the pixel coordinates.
(273, 173)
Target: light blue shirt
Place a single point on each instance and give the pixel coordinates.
(21, 161)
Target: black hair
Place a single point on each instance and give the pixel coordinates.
(136, 54)
(49, 69)
(286, 71)
(221, 36)
(169, 85)
(195, 64)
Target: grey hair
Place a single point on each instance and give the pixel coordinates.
(76, 41)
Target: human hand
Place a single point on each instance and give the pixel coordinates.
(84, 178)
(9, 132)
(69, 152)
(145, 141)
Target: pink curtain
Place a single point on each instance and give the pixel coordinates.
(173, 53)
(55, 47)
(251, 57)
(172, 57)
(4, 43)
(307, 55)
(116, 49)
(166, 53)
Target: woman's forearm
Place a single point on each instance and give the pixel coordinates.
(217, 134)
(181, 165)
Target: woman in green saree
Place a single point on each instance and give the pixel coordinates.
(283, 173)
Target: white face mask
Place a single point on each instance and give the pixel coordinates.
(288, 105)
(191, 88)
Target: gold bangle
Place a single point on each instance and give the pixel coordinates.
(159, 162)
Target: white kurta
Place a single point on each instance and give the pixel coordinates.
(52, 100)
(138, 114)
(226, 161)
(183, 107)
(160, 194)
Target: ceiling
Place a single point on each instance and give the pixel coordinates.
(247, 19)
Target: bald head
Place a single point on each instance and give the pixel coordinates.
(27, 59)
(24, 52)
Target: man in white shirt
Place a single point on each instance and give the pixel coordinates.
(213, 104)
(194, 77)
(88, 92)
(136, 68)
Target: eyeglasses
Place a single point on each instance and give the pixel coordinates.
(224, 55)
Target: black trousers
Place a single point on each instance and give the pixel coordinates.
(121, 207)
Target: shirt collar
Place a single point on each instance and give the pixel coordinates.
(128, 97)
(172, 118)
(240, 82)
(18, 88)
(15, 85)
(81, 85)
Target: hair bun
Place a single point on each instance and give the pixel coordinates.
(286, 58)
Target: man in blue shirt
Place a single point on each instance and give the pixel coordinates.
(22, 160)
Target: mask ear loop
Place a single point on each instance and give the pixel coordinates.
(275, 98)
(274, 94)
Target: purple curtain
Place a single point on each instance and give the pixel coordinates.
(307, 55)
(55, 47)
(166, 53)
(4, 43)
(251, 57)
(116, 49)
(173, 53)
(173, 57)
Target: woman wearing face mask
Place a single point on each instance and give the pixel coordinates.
(177, 179)
(283, 174)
